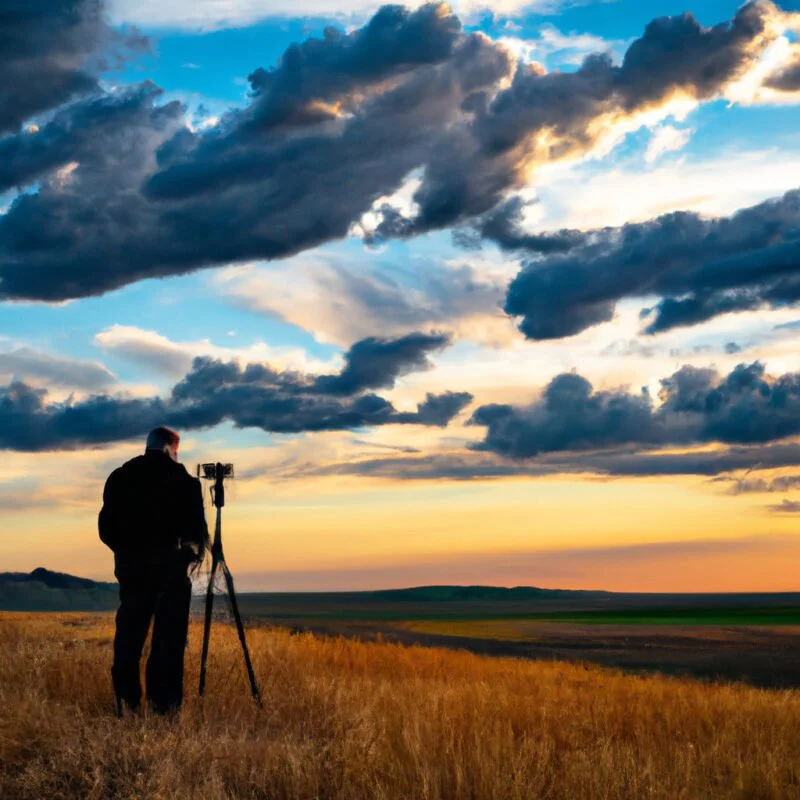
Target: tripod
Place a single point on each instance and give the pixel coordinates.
(218, 472)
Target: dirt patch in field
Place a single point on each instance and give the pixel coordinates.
(762, 656)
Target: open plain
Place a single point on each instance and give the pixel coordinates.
(344, 718)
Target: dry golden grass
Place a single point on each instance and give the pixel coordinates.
(350, 720)
(502, 630)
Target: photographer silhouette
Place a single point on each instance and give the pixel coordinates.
(153, 520)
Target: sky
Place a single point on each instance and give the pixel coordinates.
(469, 295)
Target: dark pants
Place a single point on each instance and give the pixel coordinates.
(162, 593)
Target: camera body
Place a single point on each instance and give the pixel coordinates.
(217, 473)
(214, 472)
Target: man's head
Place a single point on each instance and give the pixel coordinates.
(164, 440)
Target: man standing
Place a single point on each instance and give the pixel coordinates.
(153, 520)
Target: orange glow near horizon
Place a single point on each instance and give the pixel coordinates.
(652, 535)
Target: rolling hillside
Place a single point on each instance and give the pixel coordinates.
(44, 590)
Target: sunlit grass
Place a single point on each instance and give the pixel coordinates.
(351, 720)
(504, 630)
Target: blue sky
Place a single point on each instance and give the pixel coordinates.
(707, 146)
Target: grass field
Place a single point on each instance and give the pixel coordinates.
(346, 719)
(747, 637)
(668, 616)
(480, 603)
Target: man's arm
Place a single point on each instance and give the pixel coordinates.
(108, 521)
(195, 539)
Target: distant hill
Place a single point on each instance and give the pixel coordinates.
(470, 593)
(44, 590)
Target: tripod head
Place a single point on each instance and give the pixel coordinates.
(217, 473)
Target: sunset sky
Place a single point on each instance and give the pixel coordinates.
(501, 295)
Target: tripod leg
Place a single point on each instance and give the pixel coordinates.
(207, 624)
(240, 630)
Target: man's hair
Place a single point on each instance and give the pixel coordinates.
(162, 437)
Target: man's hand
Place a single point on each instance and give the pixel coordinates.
(190, 553)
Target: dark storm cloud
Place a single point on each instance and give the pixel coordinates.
(697, 406)
(471, 174)
(29, 423)
(677, 53)
(788, 78)
(98, 124)
(704, 462)
(701, 267)
(377, 363)
(674, 55)
(253, 396)
(236, 192)
(93, 228)
(503, 226)
(339, 122)
(431, 467)
(783, 483)
(438, 409)
(483, 465)
(324, 71)
(46, 53)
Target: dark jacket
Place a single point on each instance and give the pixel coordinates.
(153, 512)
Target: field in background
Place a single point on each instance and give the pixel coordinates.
(346, 719)
(749, 637)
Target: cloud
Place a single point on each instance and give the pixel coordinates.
(437, 409)
(785, 507)
(552, 45)
(26, 363)
(156, 352)
(787, 78)
(32, 496)
(667, 139)
(783, 483)
(700, 267)
(697, 406)
(45, 54)
(147, 348)
(505, 227)
(340, 121)
(575, 196)
(56, 242)
(342, 300)
(252, 186)
(717, 463)
(251, 396)
(214, 14)
(377, 363)
(75, 132)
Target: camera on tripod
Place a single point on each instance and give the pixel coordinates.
(218, 472)
(212, 472)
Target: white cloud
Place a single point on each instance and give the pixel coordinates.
(581, 196)
(44, 369)
(666, 139)
(215, 14)
(341, 301)
(551, 45)
(173, 359)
